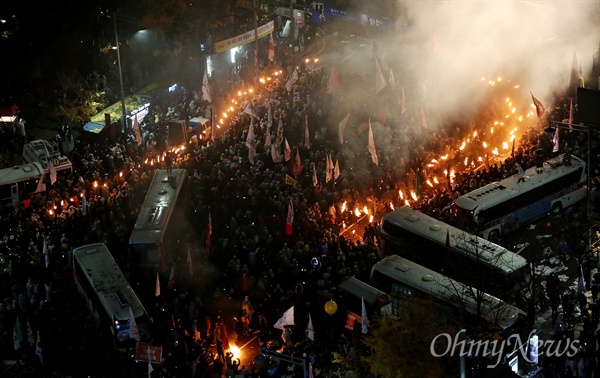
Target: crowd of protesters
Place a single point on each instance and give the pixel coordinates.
(250, 254)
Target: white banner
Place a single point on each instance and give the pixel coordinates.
(242, 39)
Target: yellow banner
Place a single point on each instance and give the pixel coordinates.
(289, 180)
(245, 38)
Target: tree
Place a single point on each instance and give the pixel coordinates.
(397, 346)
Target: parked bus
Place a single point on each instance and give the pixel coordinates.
(42, 151)
(160, 226)
(501, 207)
(451, 251)
(20, 181)
(108, 295)
(402, 278)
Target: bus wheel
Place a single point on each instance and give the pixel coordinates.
(494, 236)
(556, 208)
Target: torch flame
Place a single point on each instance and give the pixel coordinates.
(357, 212)
(365, 210)
(344, 206)
(371, 219)
(413, 194)
(429, 183)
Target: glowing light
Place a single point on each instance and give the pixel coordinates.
(429, 183)
(462, 146)
(400, 194)
(95, 184)
(391, 206)
(234, 350)
(344, 206)
(466, 161)
(435, 179)
(357, 212)
(371, 219)
(495, 151)
(365, 210)
(505, 145)
(120, 174)
(413, 194)
(406, 203)
(484, 145)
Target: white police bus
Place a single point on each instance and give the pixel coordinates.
(20, 181)
(453, 252)
(502, 207)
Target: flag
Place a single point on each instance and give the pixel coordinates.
(403, 102)
(213, 124)
(45, 253)
(379, 79)
(30, 338)
(206, 95)
(423, 118)
(581, 80)
(383, 63)
(287, 152)
(271, 54)
(248, 110)
(372, 145)
(328, 169)
(512, 152)
(571, 113)
(224, 338)
(555, 141)
(137, 131)
(172, 277)
(157, 288)
(291, 81)
(314, 174)
(363, 315)
(336, 170)
(342, 127)
(306, 134)
(251, 142)
(83, 204)
(487, 162)
(275, 154)
(134, 332)
(17, 334)
(539, 108)
(297, 164)
(581, 280)
(268, 128)
(334, 81)
(391, 79)
(310, 330)
(51, 167)
(208, 233)
(279, 137)
(290, 218)
(189, 261)
(38, 349)
(286, 320)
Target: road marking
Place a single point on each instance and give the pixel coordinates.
(248, 342)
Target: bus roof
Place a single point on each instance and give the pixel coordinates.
(498, 192)
(361, 289)
(106, 277)
(20, 173)
(437, 231)
(158, 207)
(449, 291)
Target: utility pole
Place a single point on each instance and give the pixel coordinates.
(255, 41)
(123, 115)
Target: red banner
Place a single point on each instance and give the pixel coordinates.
(142, 353)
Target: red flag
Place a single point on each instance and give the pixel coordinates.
(271, 55)
(275, 154)
(224, 338)
(297, 164)
(336, 170)
(206, 92)
(290, 218)
(208, 233)
(287, 152)
(342, 127)
(539, 108)
(571, 114)
(157, 288)
(306, 134)
(487, 162)
(328, 169)
(403, 102)
(380, 81)
(512, 153)
(172, 277)
(137, 131)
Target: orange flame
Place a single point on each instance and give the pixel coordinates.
(357, 212)
(413, 194)
(344, 206)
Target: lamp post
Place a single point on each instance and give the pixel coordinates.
(123, 115)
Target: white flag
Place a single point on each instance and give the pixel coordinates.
(51, 167)
(251, 142)
(336, 170)
(30, 338)
(292, 80)
(403, 102)
(45, 253)
(328, 168)
(206, 95)
(275, 154)
(268, 127)
(248, 110)
(83, 204)
(134, 332)
(286, 319)
(136, 131)
(423, 118)
(38, 349)
(334, 82)
(310, 330)
(363, 315)
(150, 368)
(279, 136)
(372, 145)
(555, 140)
(271, 54)
(391, 79)
(287, 152)
(342, 127)
(17, 334)
(379, 79)
(314, 174)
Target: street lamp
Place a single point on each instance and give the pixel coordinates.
(123, 115)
